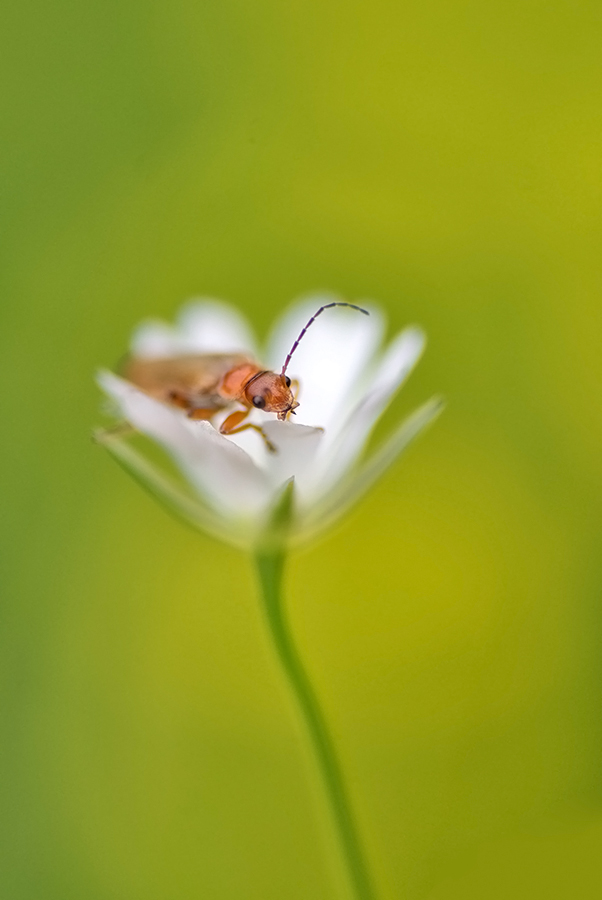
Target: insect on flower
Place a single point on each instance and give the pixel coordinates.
(203, 384)
(205, 367)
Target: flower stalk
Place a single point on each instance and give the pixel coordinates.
(270, 558)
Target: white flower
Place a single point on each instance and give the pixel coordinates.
(346, 382)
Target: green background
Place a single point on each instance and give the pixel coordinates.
(444, 159)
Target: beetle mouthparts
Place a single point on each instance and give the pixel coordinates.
(282, 415)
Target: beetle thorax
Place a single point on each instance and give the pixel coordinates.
(232, 385)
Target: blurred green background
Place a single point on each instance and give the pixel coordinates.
(444, 159)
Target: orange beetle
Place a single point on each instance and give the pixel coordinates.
(205, 383)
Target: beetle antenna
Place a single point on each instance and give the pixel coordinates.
(313, 319)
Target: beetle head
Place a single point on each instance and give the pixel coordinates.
(272, 393)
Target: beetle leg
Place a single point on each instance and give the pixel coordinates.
(232, 425)
(256, 428)
(187, 403)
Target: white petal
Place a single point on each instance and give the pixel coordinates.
(396, 364)
(191, 511)
(296, 449)
(252, 443)
(153, 339)
(210, 326)
(343, 496)
(330, 361)
(223, 473)
(296, 445)
(203, 326)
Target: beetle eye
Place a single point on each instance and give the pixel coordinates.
(287, 381)
(259, 402)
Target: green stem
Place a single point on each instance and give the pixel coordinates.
(270, 565)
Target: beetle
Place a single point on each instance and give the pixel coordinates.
(203, 384)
